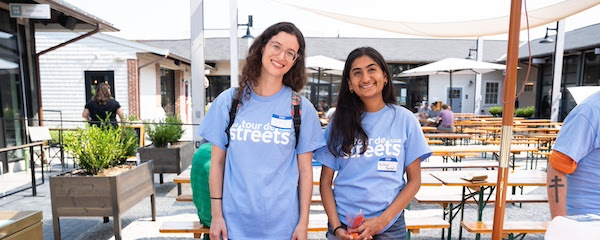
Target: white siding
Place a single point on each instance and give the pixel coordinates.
(439, 85)
(63, 78)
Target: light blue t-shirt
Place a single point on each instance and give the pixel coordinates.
(579, 138)
(367, 181)
(260, 185)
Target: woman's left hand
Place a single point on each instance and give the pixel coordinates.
(300, 233)
(370, 227)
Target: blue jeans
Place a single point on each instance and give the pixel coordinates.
(395, 232)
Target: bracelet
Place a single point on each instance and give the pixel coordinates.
(216, 198)
(335, 229)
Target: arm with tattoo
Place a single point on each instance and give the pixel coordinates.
(556, 182)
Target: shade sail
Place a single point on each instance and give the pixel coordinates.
(583, 92)
(472, 28)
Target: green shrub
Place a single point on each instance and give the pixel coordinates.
(496, 111)
(165, 131)
(129, 133)
(525, 112)
(96, 148)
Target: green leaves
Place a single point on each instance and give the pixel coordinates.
(525, 112)
(166, 131)
(96, 148)
(496, 111)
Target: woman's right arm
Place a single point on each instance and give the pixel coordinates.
(218, 227)
(326, 190)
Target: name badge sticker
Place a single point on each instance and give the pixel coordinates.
(387, 165)
(281, 122)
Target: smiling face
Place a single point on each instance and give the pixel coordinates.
(367, 79)
(279, 55)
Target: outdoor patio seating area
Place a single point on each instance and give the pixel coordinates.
(469, 151)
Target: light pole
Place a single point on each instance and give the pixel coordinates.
(557, 64)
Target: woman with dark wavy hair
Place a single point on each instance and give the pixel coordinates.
(371, 143)
(260, 177)
(102, 106)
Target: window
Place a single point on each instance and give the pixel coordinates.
(167, 91)
(491, 92)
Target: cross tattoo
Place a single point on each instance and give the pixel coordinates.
(556, 186)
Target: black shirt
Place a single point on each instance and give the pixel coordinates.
(99, 112)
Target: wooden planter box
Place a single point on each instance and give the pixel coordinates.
(169, 160)
(21, 225)
(101, 196)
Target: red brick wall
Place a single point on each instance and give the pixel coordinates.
(178, 91)
(157, 67)
(133, 88)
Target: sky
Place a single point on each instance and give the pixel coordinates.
(159, 19)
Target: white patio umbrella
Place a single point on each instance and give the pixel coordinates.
(582, 92)
(321, 64)
(452, 66)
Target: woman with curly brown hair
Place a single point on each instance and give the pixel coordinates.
(261, 172)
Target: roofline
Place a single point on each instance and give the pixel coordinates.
(133, 44)
(80, 14)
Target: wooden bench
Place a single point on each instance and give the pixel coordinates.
(512, 229)
(446, 199)
(434, 141)
(188, 198)
(413, 225)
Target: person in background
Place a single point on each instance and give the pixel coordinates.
(101, 106)
(330, 112)
(371, 143)
(424, 114)
(435, 111)
(261, 172)
(446, 118)
(323, 107)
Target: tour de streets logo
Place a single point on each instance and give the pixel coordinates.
(379, 147)
(258, 132)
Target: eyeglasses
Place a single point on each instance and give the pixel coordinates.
(290, 55)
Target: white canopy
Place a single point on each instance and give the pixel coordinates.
(472, 28)
(582, 92)
(453, 66)
(321, 64)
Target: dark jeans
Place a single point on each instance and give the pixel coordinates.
(395, 232)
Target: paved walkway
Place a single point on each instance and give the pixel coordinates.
(137, 222)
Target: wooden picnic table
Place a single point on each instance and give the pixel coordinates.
(476, 190)
(469, 164)
(543, 130)
(428, 129)
(426, 180)
(441, 150)
(448, 138)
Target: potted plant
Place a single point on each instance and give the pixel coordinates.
(104, 185)
(496, 111)
(168, 153)
(525, 112)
